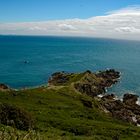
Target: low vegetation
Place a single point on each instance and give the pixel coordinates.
(59, 114)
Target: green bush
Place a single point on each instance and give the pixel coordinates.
(16, 117)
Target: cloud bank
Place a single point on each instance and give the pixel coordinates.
(123, 23)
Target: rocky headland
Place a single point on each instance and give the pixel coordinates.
(94, 85)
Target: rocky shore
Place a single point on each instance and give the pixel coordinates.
(89, 83)
(127, 110)
(95, 84)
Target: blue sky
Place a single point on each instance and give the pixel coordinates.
(94, 18)
(40, 10)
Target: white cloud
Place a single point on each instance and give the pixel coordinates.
(133, 9)
(37, 28)
(123, 23)
(127, 30)
(66, 27)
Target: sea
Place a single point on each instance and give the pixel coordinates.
(29, 61)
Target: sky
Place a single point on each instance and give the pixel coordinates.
(94, 18)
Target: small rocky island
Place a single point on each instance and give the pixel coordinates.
(95, 85)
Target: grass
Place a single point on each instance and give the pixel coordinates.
(61, 114)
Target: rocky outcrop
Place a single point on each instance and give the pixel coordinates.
(130, 99)
(94, 84)
(126, 110)
(110, 77)
(90, 83)
(59, 78)
(4, 87)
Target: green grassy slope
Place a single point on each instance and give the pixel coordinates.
(61, 113)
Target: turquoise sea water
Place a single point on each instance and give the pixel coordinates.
(45, 55)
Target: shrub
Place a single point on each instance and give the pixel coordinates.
(14, 116)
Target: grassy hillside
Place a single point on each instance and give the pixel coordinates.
(62, 113)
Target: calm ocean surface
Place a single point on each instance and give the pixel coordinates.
(51, 54)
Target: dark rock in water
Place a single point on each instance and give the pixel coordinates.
(16, 117)
(130, 99)
(3, 87)
(110, 73)
(110, 77)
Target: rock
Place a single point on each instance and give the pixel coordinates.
(110, 77)
(3, 87)
(110, 73)
(112, 106)
(109, 97)
(126, 110)
(94, 84)
(124, 115)
(89, 83)
(130, 99)
(89, 89)
(118, 111)
(59, 78)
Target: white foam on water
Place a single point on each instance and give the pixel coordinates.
(134, 119)
(100, 95)
(138, 102)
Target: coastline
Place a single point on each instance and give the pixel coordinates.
(70, 96)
